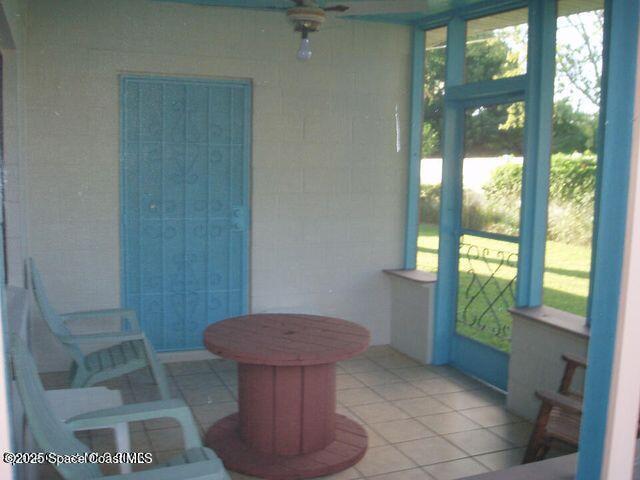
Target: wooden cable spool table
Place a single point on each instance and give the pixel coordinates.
(287, 426)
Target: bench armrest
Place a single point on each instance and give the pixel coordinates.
(561, 401)
(575, 359)
(136, 412)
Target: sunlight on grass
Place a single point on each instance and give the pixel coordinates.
(566, 281)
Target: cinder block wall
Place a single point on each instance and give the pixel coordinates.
(13, 123)
(412, 317)
(536, 362)
(328, 184)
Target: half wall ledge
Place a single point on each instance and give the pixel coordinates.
(539, 338)
(412, 313)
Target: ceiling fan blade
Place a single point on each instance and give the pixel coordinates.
(336, 8)
(380, 7)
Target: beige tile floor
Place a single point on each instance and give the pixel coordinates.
(424, 422)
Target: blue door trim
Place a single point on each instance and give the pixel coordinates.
(621, 39)
(450, 204)
(485, 92)
(448, 346)
(241, 82)
(490, 235)
(482, 361)
(242, 214)
(246, 185)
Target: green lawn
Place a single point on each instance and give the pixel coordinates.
(566, 282)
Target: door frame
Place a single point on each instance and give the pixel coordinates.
(472, 356)
(535, 87)
(247, 86)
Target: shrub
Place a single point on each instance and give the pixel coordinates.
(475, 213)
(571, 199)
(478, 215)
(569, 223)
(572, 179)
(430, 203)
(572, 182)
(506, 182)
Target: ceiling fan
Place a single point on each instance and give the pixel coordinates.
(307, 16)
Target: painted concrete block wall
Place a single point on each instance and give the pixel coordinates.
(328, 184)
(536, 362)
(412, 319)
(13, 71)
(11, 36)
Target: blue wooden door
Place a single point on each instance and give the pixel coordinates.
(184, 204)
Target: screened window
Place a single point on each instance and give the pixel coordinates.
(431, 163)
(579, 39)
(496, 46)
(492, 169)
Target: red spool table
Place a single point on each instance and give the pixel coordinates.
(287, 426)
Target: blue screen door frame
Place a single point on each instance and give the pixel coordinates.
(185, 207)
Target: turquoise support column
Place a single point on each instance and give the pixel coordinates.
(415, 148)
(600, 145)
(450, 206)
(621, 37)
(538, 130)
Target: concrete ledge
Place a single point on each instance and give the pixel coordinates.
(414, 275)
(540, 336)
(554, 318)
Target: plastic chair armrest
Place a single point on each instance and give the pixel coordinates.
(101, 337)
(128, 317)
(205, 470)
(136, 412)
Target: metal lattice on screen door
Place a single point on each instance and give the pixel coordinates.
(489, 289)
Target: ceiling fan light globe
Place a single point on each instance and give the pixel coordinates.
(304, 52)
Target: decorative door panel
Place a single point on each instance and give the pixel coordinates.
(184, 204)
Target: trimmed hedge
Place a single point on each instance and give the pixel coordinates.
(571, 200)
(572, 179)
(430, 204)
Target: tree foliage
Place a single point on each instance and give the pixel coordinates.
(572, 131)
(579, 64)
(485, 60)
(499, 130)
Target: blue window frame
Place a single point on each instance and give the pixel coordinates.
(618, 89)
